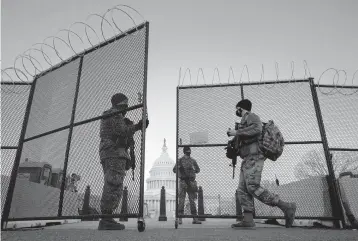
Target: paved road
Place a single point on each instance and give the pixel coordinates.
(218, 230)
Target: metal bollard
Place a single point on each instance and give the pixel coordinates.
(201, 203)
(86, 204)
(163, 211)
(124, 209)
(238, 206)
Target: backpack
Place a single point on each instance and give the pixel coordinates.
(192, 184)
(271, 141)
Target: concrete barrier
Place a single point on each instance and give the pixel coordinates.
(311, 196)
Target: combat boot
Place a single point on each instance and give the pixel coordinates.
(110, 224)
(196, 221)
(246, 223)
(289, 209)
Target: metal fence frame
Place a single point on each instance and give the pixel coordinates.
(6, 211)
(337, 209)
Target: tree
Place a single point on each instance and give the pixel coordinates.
(314, 164)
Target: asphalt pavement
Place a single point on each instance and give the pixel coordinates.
(211, 229)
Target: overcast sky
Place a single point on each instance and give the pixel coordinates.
(204, 34)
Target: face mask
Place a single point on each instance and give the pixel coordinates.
(239, 113)
(122, 107)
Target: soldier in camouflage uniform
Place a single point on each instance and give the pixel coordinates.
(251, 168)
(188, 167)
(116, 135)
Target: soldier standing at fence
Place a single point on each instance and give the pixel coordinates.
(251, 168)
(188, 168)
(115, 134)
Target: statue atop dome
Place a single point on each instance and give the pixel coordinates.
(164, 148)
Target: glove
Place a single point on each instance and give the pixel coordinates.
(128, 165)
(140, 124)
(128, 121)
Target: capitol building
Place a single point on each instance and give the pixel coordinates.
(161, 174)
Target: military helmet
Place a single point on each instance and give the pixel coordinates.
(186, 148)
(118, 98)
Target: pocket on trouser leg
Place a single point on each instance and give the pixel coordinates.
(253, 184)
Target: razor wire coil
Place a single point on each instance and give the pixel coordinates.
(348, 87)
(20, 72)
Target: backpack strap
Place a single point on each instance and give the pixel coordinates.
(182, 168)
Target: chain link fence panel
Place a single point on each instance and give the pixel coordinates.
(206, 112)
(118, 65)
(14, 98)
(52, 101)
(339, 113)
(289, 105)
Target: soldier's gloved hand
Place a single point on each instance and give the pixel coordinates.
(231, 132)
(140, 124)
(128, 165)
(128, 121)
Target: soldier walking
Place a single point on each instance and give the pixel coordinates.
(251, 168)
(116, 133)
(188, 168)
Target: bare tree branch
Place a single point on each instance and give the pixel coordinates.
(313, 164)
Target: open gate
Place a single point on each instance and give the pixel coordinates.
(56, 159)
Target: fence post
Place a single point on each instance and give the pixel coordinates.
(69, 138)
(176, 160)
(337, 210)
(124, 210)
(201, 203)
(144, 115)
(163, 211)
(242, 91)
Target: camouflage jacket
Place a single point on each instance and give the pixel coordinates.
(116, 136)
(190, 166)
(248, 135)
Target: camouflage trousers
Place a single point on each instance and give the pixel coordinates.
(114, 173)
(183, 190)
(249, 184)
